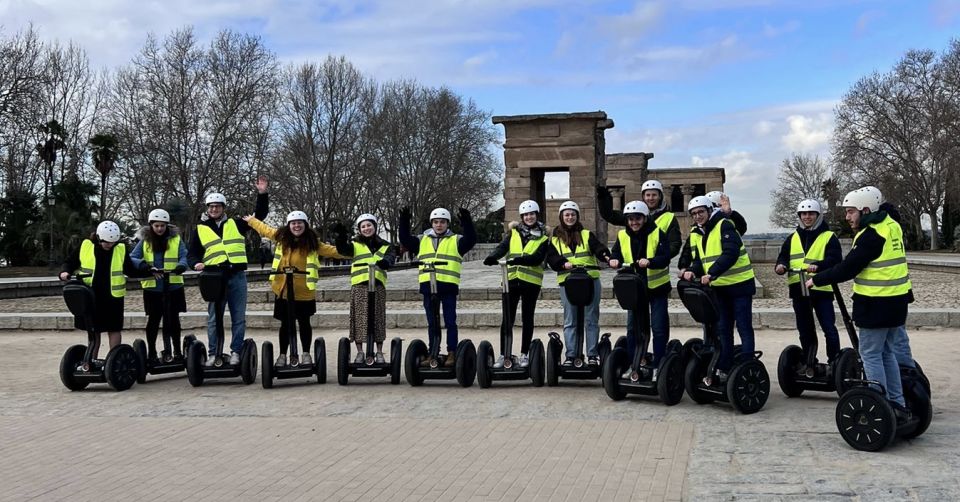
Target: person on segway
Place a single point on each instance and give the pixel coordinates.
(439, 243)
(219, 241)
(812, 247)
(367, 247)
(298, 246)
(644, 244)
(571, 246)
(652, 194)
(161, 249)
(525, 247)
(715, 254)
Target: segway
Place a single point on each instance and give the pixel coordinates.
(369, 367)
(213, 286)
(78, 368)
(748, 385)
(511, 369)
(630, 288)
(797, 372)
(421, 363)
(293, 369)
(172, 359)
(578, 287)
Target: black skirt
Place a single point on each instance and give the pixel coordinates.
(302, 308)
(107, 316)
(153, 301)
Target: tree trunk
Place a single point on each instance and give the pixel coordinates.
(103, 196)
(934, 230)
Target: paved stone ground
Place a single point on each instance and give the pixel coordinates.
(165, 440)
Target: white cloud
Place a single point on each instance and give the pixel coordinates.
(808, 133)
(763, 127)
(771, 31)
(477, 60)
(627, 29)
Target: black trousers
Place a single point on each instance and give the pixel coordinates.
(527, 294)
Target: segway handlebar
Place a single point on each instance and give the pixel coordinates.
(290, 270)
(802, 272)
(419, 263)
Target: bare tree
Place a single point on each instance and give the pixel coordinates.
(801, 177)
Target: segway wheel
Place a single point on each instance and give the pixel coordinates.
(195, 357)
(484, 364)
(122, 367)
(848, 367)
(613, 367)
(865, 419)
(343, 361)
(674, 347)
(396, 356)
(187, 342)
(621, 343)
(140, 347)
(748, 387)
(537, 362)
(692, 376)
(689, 349)
(603, 347)
(554, 350)
(787, 370)
(923, 379)
(266, 365)
(320, 359)
(918, 400)
(670, 379)
(466, 364)
(68, 365)
(248, 362)
(411, 362)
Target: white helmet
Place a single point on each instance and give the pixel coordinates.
(860, 199)
(529, 206)
(874, 192)
(809, 205)
(714, 197)
(297, 215)
(365, 217)
(440, 214)
(108, 231)
(700, 201)
(215, 198)
(159, 215)
(569, 205)
(651, 185)
(636, 207)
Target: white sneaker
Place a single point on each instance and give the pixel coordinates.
(499, 363)
(524, 360)
(627, 374)
(281, 360)
(234, 359)
(305, 359)
(654, 377)
(379, 358)
(359, 359)
(209, 362)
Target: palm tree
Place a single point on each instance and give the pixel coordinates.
(104, 155)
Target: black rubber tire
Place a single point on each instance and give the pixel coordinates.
(621, 342)
(248, 362)
(924, 379)
(554, 351)
(466, 363)
(603, 347)
(187, 341)
(122, 367)
(484, 365)
(396, 360)
(614, 366)
(865, 419)
(674, 346)
(68, 365)
(411, 362)
(140, 347)
(196, 354)
(343, 361)
(670, 379)
(786, 370)
(266, 365)
(537, 363)
(748, 387)
(688, 349)
(320, 359)
(692, 376)
(848, 366)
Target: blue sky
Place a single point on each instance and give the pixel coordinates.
(738, 84)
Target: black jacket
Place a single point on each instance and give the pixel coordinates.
(466, 242)
(556, 260)
(195, 249)
(638, 249)
(868, 311)
(536, 258)
(832, 255)
(730, 244)
(614, 217)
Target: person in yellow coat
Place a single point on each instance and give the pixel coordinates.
(297, 246)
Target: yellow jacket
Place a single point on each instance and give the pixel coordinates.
(293, 258)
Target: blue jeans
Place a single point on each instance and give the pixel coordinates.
(734, 310)
(448, 304)
(901, 349)
(659, 326)
(236, 299)
(591, 320)
(823, 307)
(878, 353)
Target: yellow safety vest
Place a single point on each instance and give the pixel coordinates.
(579, 256)
(888, 274)
(816, 253)
(528, 273)
(741, 271)
(656, 277)
(447, 251)
(88, 264)
(217, 250)
(664, 220)
(170, 259)
(313, 267)
(363, 257)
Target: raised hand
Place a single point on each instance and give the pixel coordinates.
(262, 184)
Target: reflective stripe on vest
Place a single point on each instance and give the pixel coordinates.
(664, 220)
(579, 256)
(313, 267)
(170, 259)
(527, 273)
(446, 251)
(888, 274)
(359, 274)
(656, 277)
(799, 259)
(216, 250)
(88, 265)
(741, 271)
